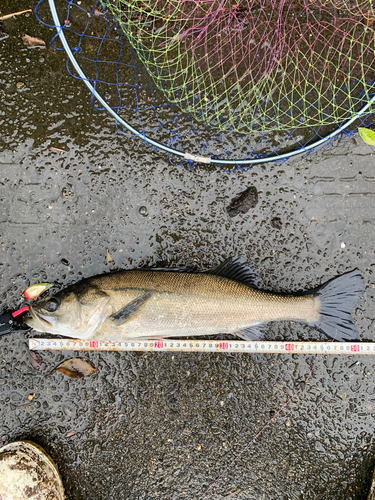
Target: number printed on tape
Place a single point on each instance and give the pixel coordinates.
(270, 347)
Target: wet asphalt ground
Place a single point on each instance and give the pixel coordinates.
(164, 426)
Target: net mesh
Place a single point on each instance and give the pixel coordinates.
(158, 98)
(256, 64)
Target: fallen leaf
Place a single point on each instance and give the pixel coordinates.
(243, 202)
(109, 258)
(31, 397)
(37, 361)
(35, 291)
(70, 434)
(368, 18)
(32, 41)
(367, 135)
(76, 368)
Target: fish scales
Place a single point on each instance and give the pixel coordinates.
(205, 297)
(158, 304)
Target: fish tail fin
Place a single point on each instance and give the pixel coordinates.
(339, 297)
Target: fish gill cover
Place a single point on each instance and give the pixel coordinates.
(231, 79)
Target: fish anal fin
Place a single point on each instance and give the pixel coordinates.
(130, 310)
(254, 332)
(237, 269)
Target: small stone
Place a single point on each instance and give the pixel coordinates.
(199, 447)
(31, 396)
(343, 245)
(143, 211)
(19, 85)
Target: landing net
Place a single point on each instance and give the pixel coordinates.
(233, 82)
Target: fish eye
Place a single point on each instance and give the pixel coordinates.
(52, 305)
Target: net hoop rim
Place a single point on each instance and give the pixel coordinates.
(196, 158)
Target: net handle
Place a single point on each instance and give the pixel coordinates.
(189, 156)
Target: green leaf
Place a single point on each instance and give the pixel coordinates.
(367, 135)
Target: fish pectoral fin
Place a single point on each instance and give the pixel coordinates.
(131, 309)
(255, 332)
(236, 268)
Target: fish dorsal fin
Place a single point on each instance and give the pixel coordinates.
(237, 269)
(171, 269)
(130, 310)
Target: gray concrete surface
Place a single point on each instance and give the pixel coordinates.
(163, 426)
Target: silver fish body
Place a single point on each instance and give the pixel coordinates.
(158, 304)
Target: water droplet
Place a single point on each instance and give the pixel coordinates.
(143, 211)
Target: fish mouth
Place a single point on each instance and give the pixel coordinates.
(39, 321)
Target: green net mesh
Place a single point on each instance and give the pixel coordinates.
(256, 64)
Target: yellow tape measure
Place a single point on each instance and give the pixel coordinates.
(264, 347)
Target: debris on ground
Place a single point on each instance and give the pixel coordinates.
(3, 34)
(37, 361)
(8, 16)
(109, 258)
(33, 41)
(76, 368)
(276, 223)
(243, 202)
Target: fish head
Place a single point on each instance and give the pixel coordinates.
(76, 312)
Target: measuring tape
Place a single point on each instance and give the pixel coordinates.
(263, 347)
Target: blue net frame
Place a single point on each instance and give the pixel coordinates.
(100, 55)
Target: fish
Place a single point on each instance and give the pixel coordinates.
(164, 303)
